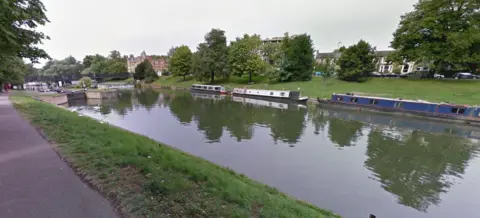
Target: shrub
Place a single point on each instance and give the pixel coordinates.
(85, 80)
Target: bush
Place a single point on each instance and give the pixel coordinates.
(85, 80)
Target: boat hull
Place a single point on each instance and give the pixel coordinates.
(401, 112)
(277, 99)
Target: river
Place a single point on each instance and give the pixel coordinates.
(352, 163)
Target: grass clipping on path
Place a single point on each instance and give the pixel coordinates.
(145, 178)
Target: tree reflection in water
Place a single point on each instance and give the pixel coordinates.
(415, 166)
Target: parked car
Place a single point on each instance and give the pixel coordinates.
(438, 76)
(464, 75)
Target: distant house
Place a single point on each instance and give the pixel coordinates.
(382, 65)
(159, 64)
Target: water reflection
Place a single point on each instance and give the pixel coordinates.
(415, 160)
(417, 167)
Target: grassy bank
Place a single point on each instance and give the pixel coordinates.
(146, 178)
(454, 91)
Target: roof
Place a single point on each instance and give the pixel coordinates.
(384, 53)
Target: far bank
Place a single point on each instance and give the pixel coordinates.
(453, 91)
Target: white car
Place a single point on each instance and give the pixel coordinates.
(438, 76)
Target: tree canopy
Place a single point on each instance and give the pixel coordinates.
(145, 71)
(445, 32)
(212, 56)
(296, 61)
(244, 56)
(19, 37)
(357, 62)
(181, 61)
(98, 64)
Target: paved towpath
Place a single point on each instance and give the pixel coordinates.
(34, 181)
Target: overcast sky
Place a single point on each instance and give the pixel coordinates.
(81, 27)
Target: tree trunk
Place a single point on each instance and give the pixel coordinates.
(212, 78)
(250, 77)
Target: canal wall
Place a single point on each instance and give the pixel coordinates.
(53, 99)
(101, 94)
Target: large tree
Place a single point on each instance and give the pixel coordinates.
(445, 32)
(244, 56)
(18, 36)
(296, 60)
(214, 56)
(145, 71)
(357, 62)
(181, 61)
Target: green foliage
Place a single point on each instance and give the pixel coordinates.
(397, 68)
(19, 38)
(296, 61)
(145, 71)
(98, 64)
(445, 32)
(212, 56)
(244, 56)
(12, 70)
(271, 52)
(181, 61)
(87, 81)
(66, 67)
(357, 62)
(18, 35)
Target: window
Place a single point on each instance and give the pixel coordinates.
(457, 110)
(405, 68)
(398, 104)
(210, 88)
(373, 101)
(282, 93)
(271, 93)
(217, 88)
(339, 98)
(354, 100)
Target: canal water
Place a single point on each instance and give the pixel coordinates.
(352, 163)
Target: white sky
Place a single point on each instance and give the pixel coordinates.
(81, 27)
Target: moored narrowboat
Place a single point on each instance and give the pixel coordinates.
(445, 111)
(278, 95)
(208, 88)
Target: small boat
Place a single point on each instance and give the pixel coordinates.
(208, 88)
(443, 111)
(279, 95)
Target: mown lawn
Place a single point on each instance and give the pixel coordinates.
(148, 179)
(453, 91)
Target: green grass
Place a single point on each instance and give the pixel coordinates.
(453, 91)
(148, 179)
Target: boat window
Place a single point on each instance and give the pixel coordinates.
(373, 101)
(457, 110)
(271, 93)
(204, 87)
(398, 104)
(339, 98)
(354, 100)
(217, 88)
(210, 87)
(282, 94)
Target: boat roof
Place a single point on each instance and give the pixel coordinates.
(403, 100)
(268, 90)
(206, 85)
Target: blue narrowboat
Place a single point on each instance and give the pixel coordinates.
(444, 111)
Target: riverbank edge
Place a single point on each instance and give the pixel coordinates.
(311, 100)
(137, 196)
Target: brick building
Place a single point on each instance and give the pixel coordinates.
(159, 64)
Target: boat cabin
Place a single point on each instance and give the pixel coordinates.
(211, 88)
(407, 105)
